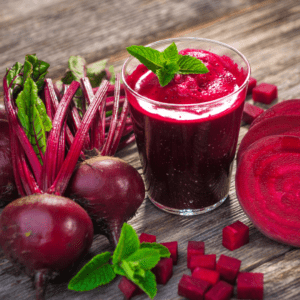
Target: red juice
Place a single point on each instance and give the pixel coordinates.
(187, 132)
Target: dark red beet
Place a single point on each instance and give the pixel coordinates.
(264, 93)
(163, 271)
(228, 267)
(285, 108)
(128, 288)
(211, 276)
(173, 248)
(110, 190)
(221, 291)
(250, 286)
(205, 261)
(8, 189)
(271, 126)
(251, 85)
(235, 235)
(268, 187)
(251, 112)
(148, 238)
(194, 248)
(43, 234)
(192, 288)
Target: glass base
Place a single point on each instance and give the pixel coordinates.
(187, 212)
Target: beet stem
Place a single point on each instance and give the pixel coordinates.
(127, 142)
(65, 173)
(41, 281)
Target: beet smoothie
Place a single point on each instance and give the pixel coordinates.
(187, 132)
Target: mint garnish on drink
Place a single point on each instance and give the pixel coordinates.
(130, 258)
(167, 63)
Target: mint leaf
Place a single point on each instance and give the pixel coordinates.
(33, 116)
(128, 244)
(191, 65)
(119, 270)
(145, 258)
(151, 58)
(166, 74)
(171, 53)
(95, 273)
(162, 250)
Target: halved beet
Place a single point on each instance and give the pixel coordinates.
(285, 108)
(268, 187)
(272, 126)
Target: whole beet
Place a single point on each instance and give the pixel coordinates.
(44, 234)
(110, 190)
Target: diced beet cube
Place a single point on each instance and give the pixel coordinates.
(194, 248)
(221, 291)
(173, 248)
(128, 288)
(192, 288)
(163, 271)
(235, 235)
(228, 267)
(251, 112)
(205, 261)
(264, 93)
(251, 85)
(148, 238)
(250, 285)
(211, 276)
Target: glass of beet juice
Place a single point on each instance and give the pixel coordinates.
(187, 131)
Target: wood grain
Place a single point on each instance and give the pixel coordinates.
(267, 33)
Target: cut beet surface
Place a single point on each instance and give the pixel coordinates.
(285, 108)
(228, 267)
(221, 291)
(251, 85)
(235, 235)
(251, 112)
(173, 248)
(194, 248)
(148, 238)
(205, 261)
(163, 271)
(250, 286)
(128, 288)
(268, 187)
(211, 276)
(264, 93)
(192, 288)
(279, 125)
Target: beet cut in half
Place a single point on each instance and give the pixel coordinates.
(173, 248)
(148, 238)
(285, 108)
(228, 267)
(211, 276)
(128, 288)
(205, 261)
(192, 288)
(251, 112)
(221, 291)
(282, 125)
(264, 93)
(250, 286)
(235, 235)
(268, 187)
(251, 85)
(194, 248)
(163, 271)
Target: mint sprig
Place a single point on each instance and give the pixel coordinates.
(130, 258)
(167, 63)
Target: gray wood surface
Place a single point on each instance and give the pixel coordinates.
(266, 32)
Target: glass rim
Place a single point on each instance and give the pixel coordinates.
(167, 104)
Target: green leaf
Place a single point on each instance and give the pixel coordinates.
(95, 273)
(164, 76)
(162, 250)
(119, 270)
(112, 74)
(145, 258)
(12, 73)
(171, 53)
(96, 72)
(77, 67)
(151, 58)
(33, 116)
(128, 244)
(191, 65)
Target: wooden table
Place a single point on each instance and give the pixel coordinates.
(266, 32)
